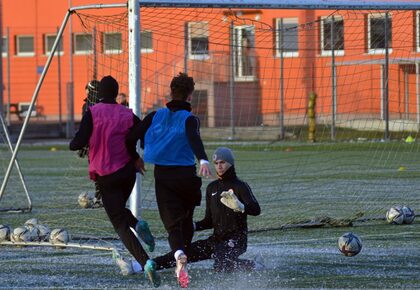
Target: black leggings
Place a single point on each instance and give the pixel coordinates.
(224, 252)
(115, 190)
(176, 199)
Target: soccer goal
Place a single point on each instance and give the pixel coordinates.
(319, 101)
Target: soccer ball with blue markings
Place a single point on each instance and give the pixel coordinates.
(408, 214)
(5, 233)
(21, 234)
(349, 244)
(59, 236)
(395, 215)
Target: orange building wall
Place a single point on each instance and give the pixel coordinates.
(358, 89)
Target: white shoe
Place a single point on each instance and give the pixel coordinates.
(125, 266)
(181, 271)
(259, 263)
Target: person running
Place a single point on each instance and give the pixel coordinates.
(104, 128)
(171, 138)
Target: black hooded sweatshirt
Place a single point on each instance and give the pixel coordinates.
(226, 223)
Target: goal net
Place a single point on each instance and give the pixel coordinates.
(317, 105)
(321, 109)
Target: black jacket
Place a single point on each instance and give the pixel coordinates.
(225, 222)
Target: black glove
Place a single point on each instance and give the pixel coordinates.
(82, 153)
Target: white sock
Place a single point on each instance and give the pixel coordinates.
(177, 253)
(136, 266)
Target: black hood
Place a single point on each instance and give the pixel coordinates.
(108, 88)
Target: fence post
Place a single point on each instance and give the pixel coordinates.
(386, 80)
(232, 81)
(281, 46)
(334, 83)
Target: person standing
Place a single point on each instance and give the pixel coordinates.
(104, 128)
(91, 99)
(171, 138)
(122, 99)
(92, 96)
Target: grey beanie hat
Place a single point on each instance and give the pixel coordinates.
(224, 153)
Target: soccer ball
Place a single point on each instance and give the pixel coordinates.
(349, 244)
(34, 233)
(43, 232)
(408, 214)
(395, 215)
(21, 234)
(59, 236)
(30, 223)
(5, 232)
(86, 199)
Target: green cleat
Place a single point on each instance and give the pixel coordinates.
(151, 274)
(142, 229)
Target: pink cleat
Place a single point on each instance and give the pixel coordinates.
(181, 271)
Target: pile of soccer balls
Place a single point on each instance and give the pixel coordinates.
(34, 231)
(350, 244)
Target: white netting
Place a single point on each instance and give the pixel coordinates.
(257, 73)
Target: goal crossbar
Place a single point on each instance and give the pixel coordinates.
(288, 4)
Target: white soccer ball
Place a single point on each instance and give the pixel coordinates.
(30, 223)
(395, 215)
(408, 214)
(21, 234)
(349, 244)
(86, 199)
(5, 232)
(59, 236)
(44, 233)
(34, 233)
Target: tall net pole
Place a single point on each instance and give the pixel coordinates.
(134, 85)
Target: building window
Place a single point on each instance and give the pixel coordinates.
(332, 25)
(376, 33)
(4, 46)
(112, 42)
(49, 42)
(198, 40)
(244, 53)
(83, 43)
(146, 41)
(287, 32)
(25, 45)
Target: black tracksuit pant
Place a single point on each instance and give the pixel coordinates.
(224, 252)
(115, 190)
(176, 199)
